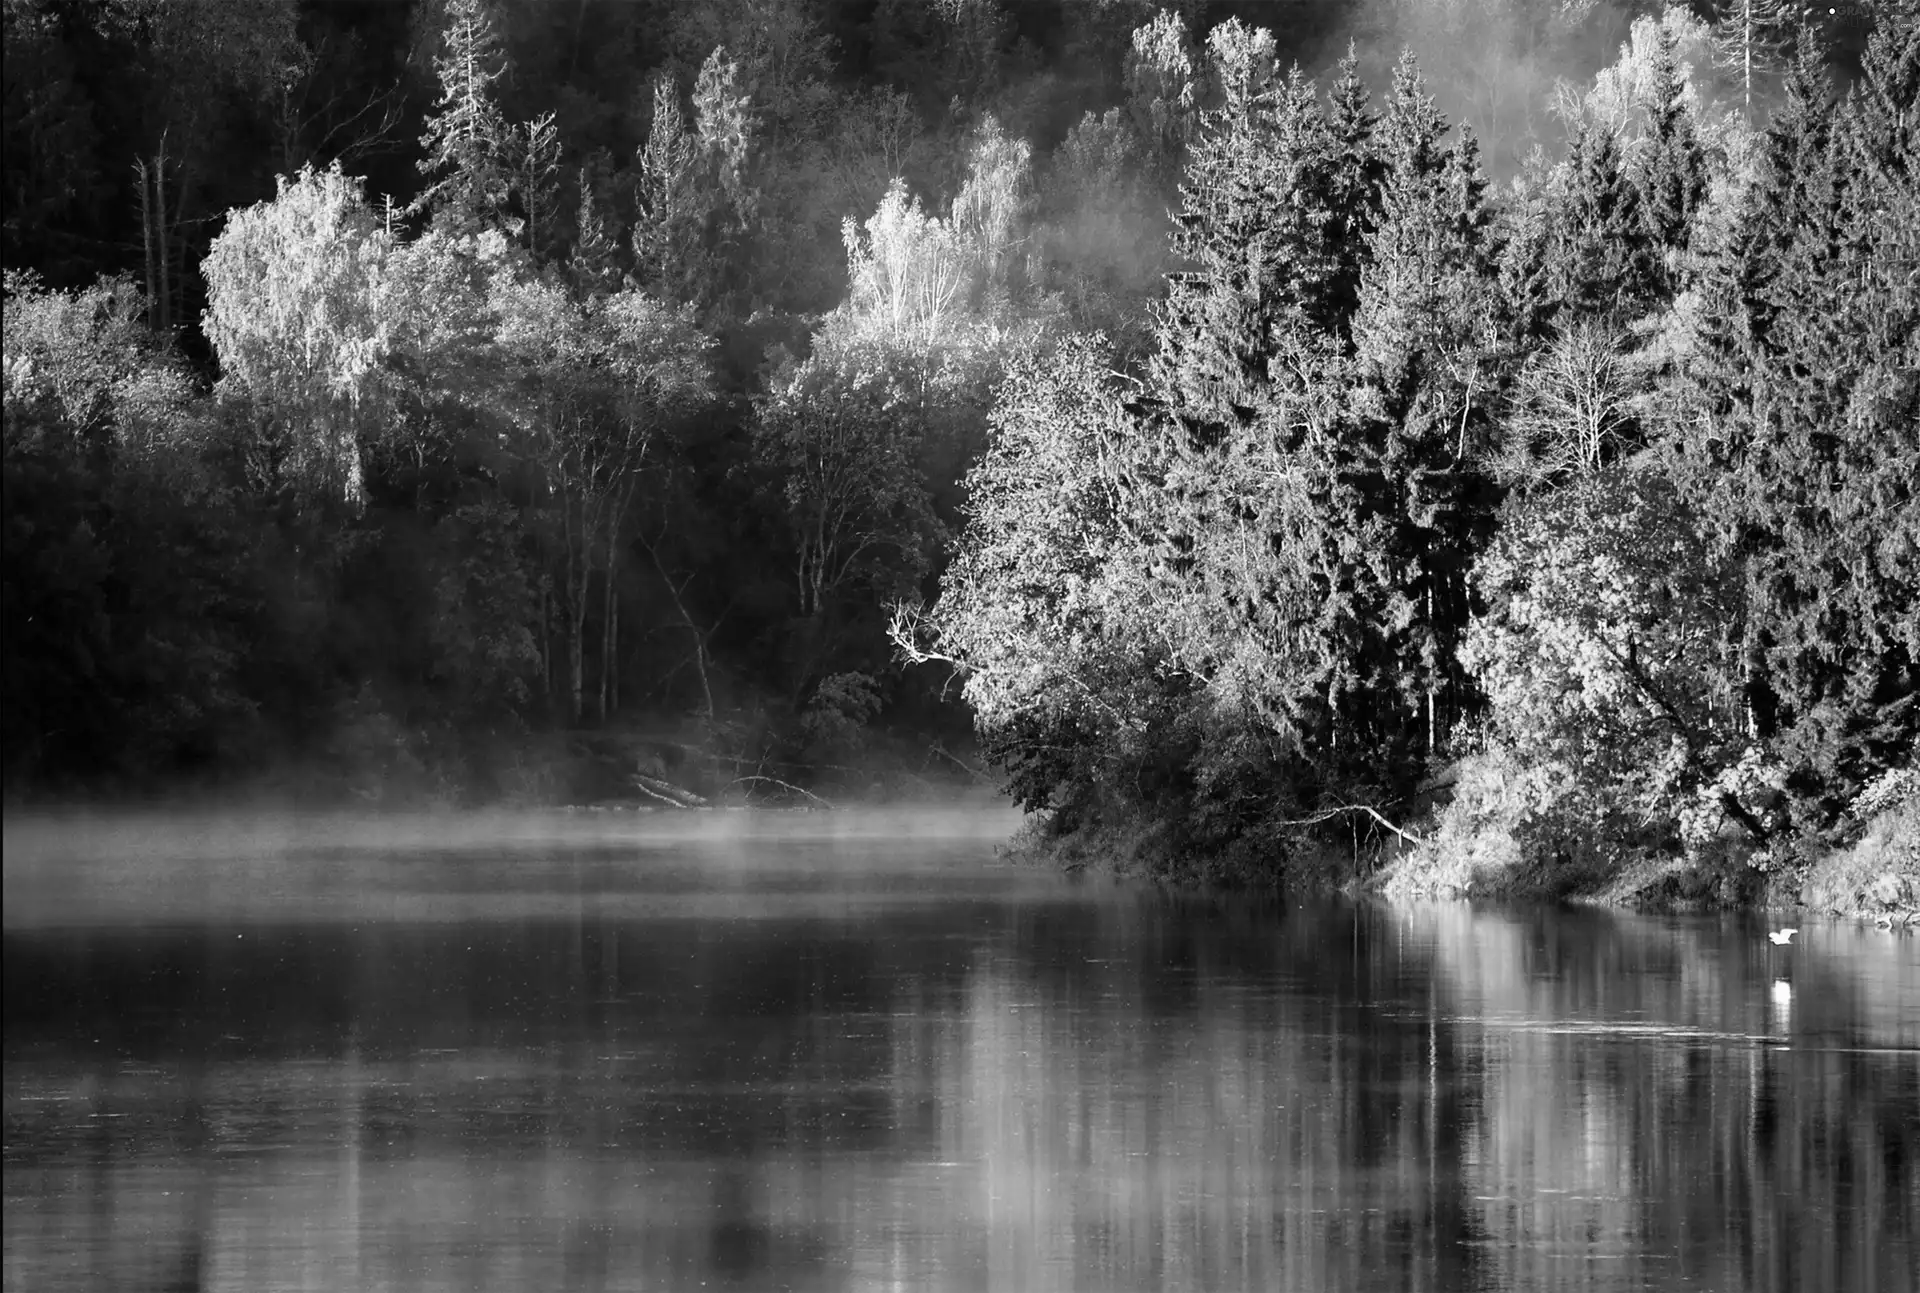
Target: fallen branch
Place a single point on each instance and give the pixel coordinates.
(669, 792)
(941, 750)
(775, 781)
(674, 803)
(1368, 809)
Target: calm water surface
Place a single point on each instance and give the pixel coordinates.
(835, 1052)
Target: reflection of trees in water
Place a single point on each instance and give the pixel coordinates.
(1797, 1162)
(1167, 1093)
(1129, 1102)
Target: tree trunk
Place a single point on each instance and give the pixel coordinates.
(1433, 633)
(160, 234)
(613, 649)
(604, 700)
(576, 638)
(546, 645)
(579, 577)
(699, 638)
(146, 239)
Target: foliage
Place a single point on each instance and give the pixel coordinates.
(467, 141)
(291, 314)
(843, 450)
(680, 390)
(1805, 388)
(1044, 609)
(1161, 89)
(594, 386)
(836, 720)
(1608, 613)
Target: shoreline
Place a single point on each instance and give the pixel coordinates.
(1876, 879)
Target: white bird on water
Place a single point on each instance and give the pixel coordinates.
(1781, 937)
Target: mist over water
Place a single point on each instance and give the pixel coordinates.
(859, 1051)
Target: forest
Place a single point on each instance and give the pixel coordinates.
(1253, 445)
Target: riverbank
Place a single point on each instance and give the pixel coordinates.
(664, 764)
(1474, 839)
(1874, 877)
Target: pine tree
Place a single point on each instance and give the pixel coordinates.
(536, 185)
(466, 140)
(1838, 419)
(1670, 168)
(674, 200)
(1422, 363)
(1354, 175)
(1161, 93)
(1526, 290)
(1601, 261)
(1252, 230)
(1809, 423)
(593, 265)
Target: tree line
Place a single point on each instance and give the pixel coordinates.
(1248, 450)
(1607, 480)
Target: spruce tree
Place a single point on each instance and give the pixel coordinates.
(1808, 425)
(1353, 176)
(1670, 169)
(1252, 232)
(674, 202)
(536, 184)
(1752, 39)
(466, 139)
(1526, 243)
(1601, 261)
(593, 265)
(1837, 584)
(1423, 374)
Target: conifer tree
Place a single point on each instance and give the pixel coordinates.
(1527, 229)
(670, 254)
(1354, 174)
(1670, 168)
(1252, 229)
(1161, 92)
(593, 265)
(1601, 261)
(466, 140)
(536, 170)
(1422, 365)
(1807, 390)
(726, 133)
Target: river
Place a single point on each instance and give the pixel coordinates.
(859, 1051)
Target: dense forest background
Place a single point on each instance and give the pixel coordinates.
(1234, 422)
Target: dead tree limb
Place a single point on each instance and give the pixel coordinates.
(775, 781)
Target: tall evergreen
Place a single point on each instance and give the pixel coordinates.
(1670, 170)
(467, 140)
(1812, 424)
(673, 201)
(1423, 372)
(593, 265)
(1354, 175)
(1526, 243)
(1251, 230)
(1601, 261)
